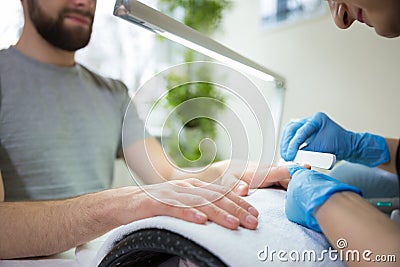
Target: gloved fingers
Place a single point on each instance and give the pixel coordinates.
(321, 118)
(297, 133)
(302, 134)
(287, 135)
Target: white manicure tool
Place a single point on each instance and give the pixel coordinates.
(315, 159)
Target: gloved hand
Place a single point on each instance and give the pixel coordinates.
(323, 135)
(307, 191)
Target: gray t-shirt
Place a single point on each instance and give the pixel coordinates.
(60, 128)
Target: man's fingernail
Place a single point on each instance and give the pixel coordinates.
(231, 219)
(241, 187)
(253, 211)
(200, 217)
(251, 220)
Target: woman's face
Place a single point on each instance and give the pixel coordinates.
(382, 15)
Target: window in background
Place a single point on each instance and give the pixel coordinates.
(282, 12)
(118, 50)
(11, 21)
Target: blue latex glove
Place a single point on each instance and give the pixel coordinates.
(307, 191)
(323, 135)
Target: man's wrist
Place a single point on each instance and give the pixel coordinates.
(103, 207)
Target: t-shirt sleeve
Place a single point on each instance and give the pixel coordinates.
(133, 128)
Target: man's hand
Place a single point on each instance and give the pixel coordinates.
(41, 228)
(191, 200)
(242, 176)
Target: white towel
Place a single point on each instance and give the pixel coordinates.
(65, 259)
(237, 247)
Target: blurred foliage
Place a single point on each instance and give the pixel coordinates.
(204, 16)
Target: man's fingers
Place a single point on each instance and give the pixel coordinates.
(231, 182)
(242, 189)
(226, 213)
(242, 203)
(225, 208)
(284, 183)
(220, 216)
(276, 174)
(187, 214)
(307, 166)
(232, 195)
(195, 201)
(240, 208)
(172, 208)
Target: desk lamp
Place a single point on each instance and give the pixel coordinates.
(151, 19)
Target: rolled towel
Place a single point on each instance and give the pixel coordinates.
(276, 241)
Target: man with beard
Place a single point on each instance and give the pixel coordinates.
(60, 132)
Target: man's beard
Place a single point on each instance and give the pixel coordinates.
(52, 30)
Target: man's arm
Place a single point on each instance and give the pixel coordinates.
(345, 215)
(148, 160)
(43, 228)
(47, 227)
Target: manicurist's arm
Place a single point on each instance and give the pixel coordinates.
(392, 145)
(327, 205)
(347, 216)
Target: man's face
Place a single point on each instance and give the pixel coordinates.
(66, 24)
(382, 15)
